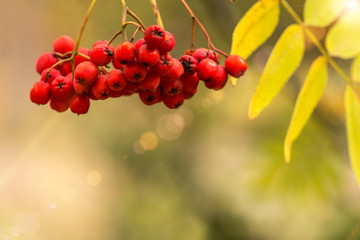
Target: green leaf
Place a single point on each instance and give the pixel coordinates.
(320, 13)
(255, 27)
(306, 102)
(284, 60)
(344, 37)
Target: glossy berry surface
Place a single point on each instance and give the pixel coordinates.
(40, 93)
(63, 44)
(235, 65)
(79, 104)
(154, 36)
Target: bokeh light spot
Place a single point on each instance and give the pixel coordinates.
(138, 148)
(170, 126)
(149, 141)
(93, 178)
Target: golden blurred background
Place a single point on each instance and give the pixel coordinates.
(133, 172)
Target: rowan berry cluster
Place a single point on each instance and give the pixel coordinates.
(145, 68)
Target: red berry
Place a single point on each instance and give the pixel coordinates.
(150, 98)
(163, 66)
(58, 104)
(63, 44)
(80, 88)
(219, 79)
(150, 83)
(79, 59)
(86, 73)
(116, 80)
(172, 88)
(66, 68)
(125, 53)
(51, 76)
(154, 36)
(117, 65)
(139, 43)
(147, 56)
(235, 65)
(206, 69)
(131, 88)
(79, 104)
(135, 72)
(189, 63)
(104, 42)
(45, 60)
(190, 82)
(62, 87)
(40, 93)
(189, 94)
(176, 72)
(168, 44)
(100, 88)
(174, 101)
(202, 53)
(116, 94)
(101, 54)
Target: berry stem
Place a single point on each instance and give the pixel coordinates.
(126, 10)
(77, 43)
(323, 51)
(193, 33)
(198, 22)
(157, 13)
(122, 30)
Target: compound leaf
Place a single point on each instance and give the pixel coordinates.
(284, 60)
(344, 37)
(254, 28)
(320, 13)
(306, 102)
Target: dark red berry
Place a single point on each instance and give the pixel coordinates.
(45, 60)
(189, 63)
(150, 83)
(101, 54)
(62, 87)
(176, 72)
(86, 73)
(63, 44)
(116, 80)
(116, 94)
(189, 94)
(131, 88)
(206, 69)
(235, 65)
(125, 53)
(154, 36)
(79, 104)
(168, 44)
(174, 101)
(100, 88)
(40, 93)
(163, 66)
(172, 88)
(80, 88)
(147, 56)
(190, 83)
(150, 98)
(135, 72)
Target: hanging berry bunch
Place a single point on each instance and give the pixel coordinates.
(71, 76)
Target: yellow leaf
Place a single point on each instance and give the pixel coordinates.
(352, 108)
(355, 70)
(306, 102)
(344, 37)
(284, 60)
(255, 27)
(320, 13)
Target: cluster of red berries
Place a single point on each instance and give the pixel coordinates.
(144, 67)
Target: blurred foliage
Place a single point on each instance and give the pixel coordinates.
(213, 174)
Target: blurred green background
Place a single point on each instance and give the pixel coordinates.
(132, 172)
